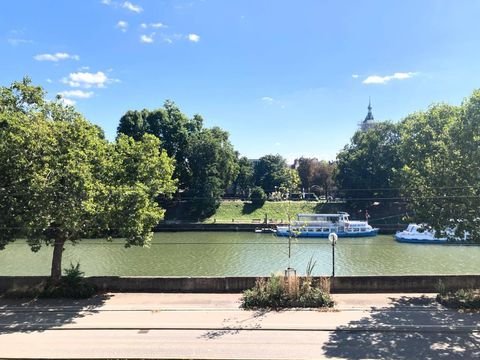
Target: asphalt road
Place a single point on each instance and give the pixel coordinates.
(374, 326)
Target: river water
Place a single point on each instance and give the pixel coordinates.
(245, 254)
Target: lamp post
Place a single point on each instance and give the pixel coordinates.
(333, 240)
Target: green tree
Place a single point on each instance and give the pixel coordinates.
(271, 172)
(244, 179)
(367, 167)
(258, 196)
(291, 180)
(171, 126)
(205, 162)
(213, 165)
(440, 178)
(60, 180)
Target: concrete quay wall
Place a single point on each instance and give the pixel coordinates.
(339, 284)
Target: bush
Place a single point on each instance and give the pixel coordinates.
(72, 285)
(460, 299)
(258, 196)
(275, 293)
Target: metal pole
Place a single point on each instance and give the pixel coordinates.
(333, 259)
(333, 240)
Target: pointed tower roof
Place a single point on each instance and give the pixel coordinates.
(369, 116)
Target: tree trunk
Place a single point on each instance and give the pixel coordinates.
(56, 273)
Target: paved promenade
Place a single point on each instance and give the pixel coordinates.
(211, 326)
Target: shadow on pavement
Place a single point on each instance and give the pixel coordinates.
(394, 333)
(43, 314)
(233, 326)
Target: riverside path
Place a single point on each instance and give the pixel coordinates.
(212, 326)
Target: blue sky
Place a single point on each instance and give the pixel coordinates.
(287, 77)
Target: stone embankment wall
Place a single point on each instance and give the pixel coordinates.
(340, 284)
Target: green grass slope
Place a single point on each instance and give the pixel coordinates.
(240, 211)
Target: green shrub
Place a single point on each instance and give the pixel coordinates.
(460, 299)
(72, 285)
(274, 293)
(258, 196)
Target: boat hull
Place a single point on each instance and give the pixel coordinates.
(340, 234)
(417, 240)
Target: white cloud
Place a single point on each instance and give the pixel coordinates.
(55, 57)
(355, 76)
(79, 94)
(375, 79)
(268, 99)
(158, 25)
(132, 7)
(147, 39)
(106, 2)
(87, 79)
(69, 102)
(49, 80)
(122, 25)
(193, 37)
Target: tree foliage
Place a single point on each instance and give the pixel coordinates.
(60, 180)
(316, 174)
(244, 180)
(213, 165)
(366, 168)
(205, 161)
(271, 172)
(441, 174)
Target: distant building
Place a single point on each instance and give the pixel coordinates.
(369, 121)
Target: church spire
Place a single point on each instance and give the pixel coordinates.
(369, 121)
(369, 116)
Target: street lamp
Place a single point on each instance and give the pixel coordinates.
(333, 240)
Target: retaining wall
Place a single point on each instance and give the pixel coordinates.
(340, 284)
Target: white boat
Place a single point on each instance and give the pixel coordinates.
(321, 225)
(421, 234)
(265, 230)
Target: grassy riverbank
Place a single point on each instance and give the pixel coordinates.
(277, 211)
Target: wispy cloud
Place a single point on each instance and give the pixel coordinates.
(132, 7)
(147, 39)
(56, 57)
(122, 25)
(193, 37)
(157, 25)
(268, 99)
(355, 76)
(376, 79)
(79, 94)
(88, 79)
(17, 41)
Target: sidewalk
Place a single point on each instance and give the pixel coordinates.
(127, 325)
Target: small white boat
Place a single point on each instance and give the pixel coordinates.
(265, 230)
(322, 225)
(421, 234)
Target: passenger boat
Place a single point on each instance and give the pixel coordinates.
(321, 225)
(421, 234)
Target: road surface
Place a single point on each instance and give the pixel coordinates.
(212, 326)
